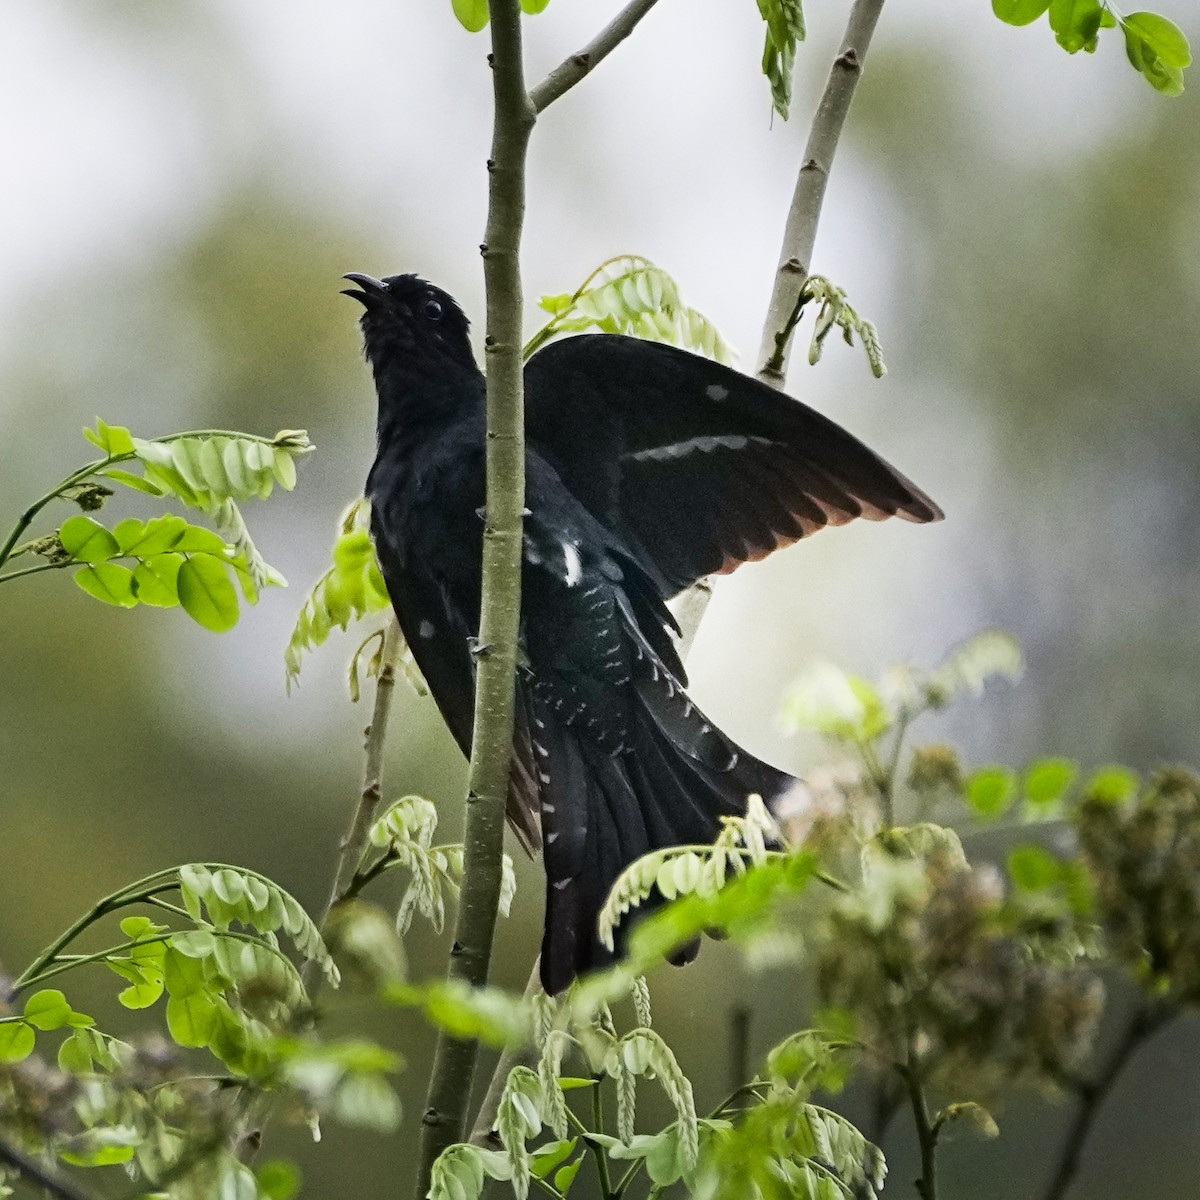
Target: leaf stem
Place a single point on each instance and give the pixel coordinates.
(134, 894)
(50, 566)
(602, 1175)
(26, 518)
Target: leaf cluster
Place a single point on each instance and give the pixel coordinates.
(167, 562)
(1155, 46)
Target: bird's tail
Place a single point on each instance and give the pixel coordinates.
(600, 810)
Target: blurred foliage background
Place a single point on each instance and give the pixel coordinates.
(188, 182)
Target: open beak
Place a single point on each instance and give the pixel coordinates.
(373, 290)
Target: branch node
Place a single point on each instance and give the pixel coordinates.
(848, 60)
(793, 266)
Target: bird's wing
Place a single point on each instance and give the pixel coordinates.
(439, 641)
(625, 761)
(703, 467)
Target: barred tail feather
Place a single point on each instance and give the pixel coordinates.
(600, 811)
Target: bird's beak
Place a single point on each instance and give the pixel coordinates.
(373, 290)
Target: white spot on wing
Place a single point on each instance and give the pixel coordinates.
(716, 392)
(705, 444)
(426, 630)
(574, 563)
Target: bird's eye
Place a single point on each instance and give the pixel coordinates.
(432, 310)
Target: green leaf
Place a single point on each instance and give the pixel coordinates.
(1033, 868)
(156, 580)
(74, 1055)
(1142, 41)
(785, 28)
(1046, 784)
(1112, 785)
(990, 791)
(1165, 37)
(565, 1176)
(112, 439)
(534, 6)
(1076, 24)
(206, 593)
(47, 1009)
(1019, 12)
(472, 14)
(191, 1018)
(546, 1158)
(102, 1146)
(133, 481)
(108, 582)
(86, 540)
(278, 1180)
(16, 1041)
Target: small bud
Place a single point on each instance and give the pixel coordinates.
(89, 496)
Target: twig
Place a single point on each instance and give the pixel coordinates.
(1147, 1021)
(483, 1132)
(43, 1177)
(491, 743)
(927, 1129)
(800, 231)
(354, 844)
(568, 73)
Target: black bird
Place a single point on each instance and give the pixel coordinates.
(647, 468)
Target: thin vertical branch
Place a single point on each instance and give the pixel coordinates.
(354, 844)
(483, 1130)
(800, 231)
(556, 84)
(1146, 1022)
(450, 1085)
(927, 1128)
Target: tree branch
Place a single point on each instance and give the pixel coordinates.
(569, 72)
(800, 235)
(1147, 1021)
(354, 844)
(800, 230)
(483, 1131)
(491, 746)
(50, 1182)
(927, 1129)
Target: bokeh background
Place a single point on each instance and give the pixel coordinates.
(185, 184)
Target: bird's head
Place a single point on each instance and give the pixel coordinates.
(410, 325)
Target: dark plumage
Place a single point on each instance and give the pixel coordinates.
(647, 468)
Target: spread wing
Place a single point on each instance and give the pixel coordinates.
(703, 467)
